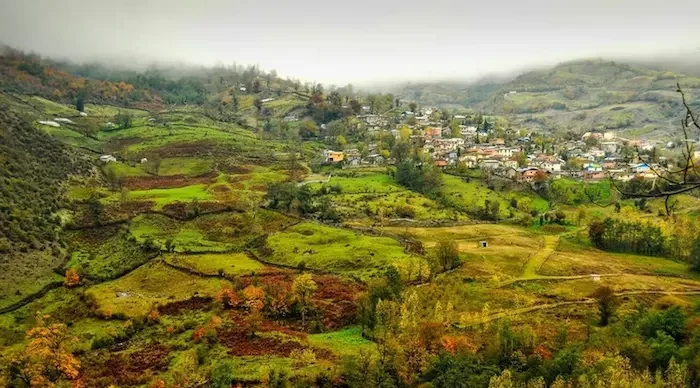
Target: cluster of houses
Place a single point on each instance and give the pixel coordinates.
(597, 155)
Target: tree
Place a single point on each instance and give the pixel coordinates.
(605, 297)
(48, 356)
(80, 101)
(695, 255)
(424, 179)
(254, 298)
(448, 254)
(308, 129)
(123, 120)
(95, 208)
(228, 297)
(412, 106)
(72, 278)
(222, 375)
(303, 288)
(154, 163)
(258, 105)
(400, 151)
(340, 141)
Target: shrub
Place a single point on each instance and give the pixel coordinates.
(405, 212)
(302, 357)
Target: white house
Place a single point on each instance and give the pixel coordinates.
(467, 130)
(144, 161)
(552, 166)
(64, 120)
(50, 123)
(490, 164)
(108, 158)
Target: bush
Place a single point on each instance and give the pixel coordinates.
(405, 212)
(555, 229)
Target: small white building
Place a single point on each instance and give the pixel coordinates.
(107, 158)
(595, 277)
(64, 120)
(50, 123)
(144, 161)
(83, 114)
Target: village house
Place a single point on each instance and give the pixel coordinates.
(510, 164)
(526, 174)
(609, 147)
(440, 163)
(594, 175)
(596, 152)
(422, 120)
(372, 120)
(330, 156)
(490, 164)
(433, 132)
(553, 166)
(506, 151)
(291, 118)
(469, 160)
(465, 130)
(592, 167)
(640, 168)
(610, 162)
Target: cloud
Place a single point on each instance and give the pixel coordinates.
(359, 41)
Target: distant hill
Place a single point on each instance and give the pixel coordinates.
(448, 94)
(576, 96)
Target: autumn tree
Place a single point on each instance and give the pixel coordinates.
(254, 298)
(303, 288)
(72, 278)
(228, 297)
(47, 358)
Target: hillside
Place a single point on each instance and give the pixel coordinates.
(203, 243)
(577, 96)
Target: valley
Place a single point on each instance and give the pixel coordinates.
(239, 229)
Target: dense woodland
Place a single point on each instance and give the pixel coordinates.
(33, 171)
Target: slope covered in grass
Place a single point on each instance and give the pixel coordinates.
(335, 250)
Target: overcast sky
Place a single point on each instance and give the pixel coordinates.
(358, 41)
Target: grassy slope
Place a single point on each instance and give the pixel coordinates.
(334, 250)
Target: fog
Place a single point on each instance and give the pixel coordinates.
(363, 42)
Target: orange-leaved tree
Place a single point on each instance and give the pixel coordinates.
(47, 357)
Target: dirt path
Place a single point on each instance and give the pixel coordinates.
(536, 260)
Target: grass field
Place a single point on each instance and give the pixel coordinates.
(139, 292)
(165, 196)
(371, 183)
(209, 233)
(334, 250)
(471, 195)
(343, 342)
(571, 259)
(213, 264)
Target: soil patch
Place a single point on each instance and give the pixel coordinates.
(167, 182)
(125, 368)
